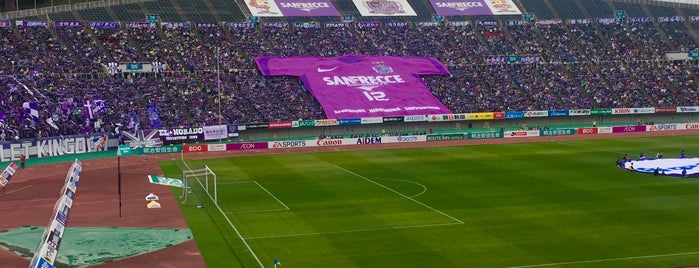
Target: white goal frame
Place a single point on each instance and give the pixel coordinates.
(195, 176)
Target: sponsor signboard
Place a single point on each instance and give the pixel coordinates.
(621, 111)
(604, 130)
(371, 120)
(326, 122)
(290, 144)
(665, 127)
(485, 135)
(304, 123)
(383, 8)
(330, 142)
(392, 119)
(665, 110)
(368, 140)
(195, 148)
(578, 112)
(587, 130)
(162, 150)
(277, 125)
(415, 118)
(445, 137)
(688, 109)
(536, 113)
(553, 113)
(648, 110)
(446, 117)
(216, 147)
(601, 111)
(622, 129)
(557, 132)
(479, 116)
(514, 115)
(498, 115)
(521, 133)
(351, 121)
(247, 146)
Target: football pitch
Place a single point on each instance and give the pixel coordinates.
(545, 204)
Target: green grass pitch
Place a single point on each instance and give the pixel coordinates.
(547, 204)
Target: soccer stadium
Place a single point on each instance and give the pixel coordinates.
(349, 133)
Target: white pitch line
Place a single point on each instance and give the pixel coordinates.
(424, 189)
(275, 198)
(398, 193)
(19, 189)
(230, 223)
(607, 260)
(256, 211)
(587, 147)
(353, 231)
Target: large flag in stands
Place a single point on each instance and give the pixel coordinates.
(364, 86)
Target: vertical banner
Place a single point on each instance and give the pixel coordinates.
(8, 173)
(46, 253)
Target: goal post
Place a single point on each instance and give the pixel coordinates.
(198, 185)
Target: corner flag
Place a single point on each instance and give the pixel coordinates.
(277, 262)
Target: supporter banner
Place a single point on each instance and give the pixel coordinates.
(326, 122)
(292, 8)
(351, 121)
(446, 117)
(498, 115)
(170, 135)
(206, 25)
(104, 24)
(557, 132)
(396, 24)
(671, 19)
(485, 135)
(628, 129)
(578, 112)
(277, 125)
(688, 109)
(665, 110)
(367, 24)
(68, 24)
(176, 25)
(306, 25)
(246, 146)
(162, 150)
(639, 20)
(445, 137)
(536, 113)
(233, 131)
(55, 146)
(5, 24)
(394, 119)
(244, 25)
(514, 115)
(215, 132)
(357, 86)
(579, 21)
(601, 111)
(665, 127)
(382, 8)
(587, 130)
(8, 173)
(304, 123)
(415, 118)
(275, 24)
(548, 22)
(607, 21)
(374, 120)
(334, 25)
(216, 147)
(479, 116)
(139, 24)
(196, 148)
(621, 111)
(516, 59)
(553, 113)
(521, 133)
(142, 138)
(474, 7)
(29, 23)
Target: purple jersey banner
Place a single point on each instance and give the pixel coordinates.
(474, 7)
(363, 86)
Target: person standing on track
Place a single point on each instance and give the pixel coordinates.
(22, 159)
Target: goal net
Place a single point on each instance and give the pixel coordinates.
(199, 185)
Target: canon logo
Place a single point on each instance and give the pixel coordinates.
(329, 142)
(692, 126)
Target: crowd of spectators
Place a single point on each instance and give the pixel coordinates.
(211, 77)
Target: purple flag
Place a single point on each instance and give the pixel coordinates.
(363, 86)
(32, 109)
(154, 116)
(93, 108)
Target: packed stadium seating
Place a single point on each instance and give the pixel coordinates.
(582, 62)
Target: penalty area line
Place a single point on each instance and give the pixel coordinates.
(608, 260)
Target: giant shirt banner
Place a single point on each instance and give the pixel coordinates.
(384, 8)
(474, 7)
(292, 8)
(356, 86)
